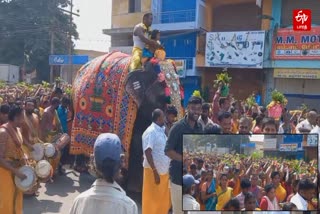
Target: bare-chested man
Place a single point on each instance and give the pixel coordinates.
(30, 126)
(50, 125)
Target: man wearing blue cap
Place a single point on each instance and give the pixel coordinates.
(105, 195)
(188, 189)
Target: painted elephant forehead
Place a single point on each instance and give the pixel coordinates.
(101, 103)
(173, 83)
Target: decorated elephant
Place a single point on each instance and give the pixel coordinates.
(109, 98)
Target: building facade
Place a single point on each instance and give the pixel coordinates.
(185, 26)
(179, 23)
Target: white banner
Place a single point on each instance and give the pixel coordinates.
(235, 49)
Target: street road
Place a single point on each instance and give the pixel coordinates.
(57, 197)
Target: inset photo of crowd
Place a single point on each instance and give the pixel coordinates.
(255, 172)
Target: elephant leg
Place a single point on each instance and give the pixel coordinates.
(135, 170)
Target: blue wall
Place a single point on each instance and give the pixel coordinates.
(178, 11)
(183, 45)
(190, 84)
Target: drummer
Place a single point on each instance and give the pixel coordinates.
(11, 159)
(30, 126)
(50, 127)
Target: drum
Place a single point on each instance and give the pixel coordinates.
(27, 183)
(43, 170)
(50, 150)
(63, 141)
(38, 152)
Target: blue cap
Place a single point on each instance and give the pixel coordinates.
(107, 145)
(188, 180)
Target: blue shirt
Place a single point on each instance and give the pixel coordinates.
(63, 117)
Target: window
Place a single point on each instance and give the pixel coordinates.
(134, 6)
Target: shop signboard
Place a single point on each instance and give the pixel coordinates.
(243, 49)
(290, 147)
(288, 44)
(296, 73)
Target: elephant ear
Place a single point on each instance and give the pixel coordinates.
(137, 84)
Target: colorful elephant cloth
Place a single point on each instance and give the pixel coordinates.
(101, 103)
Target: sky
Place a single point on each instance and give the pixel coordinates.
(95, 15)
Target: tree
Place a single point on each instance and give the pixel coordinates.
(25, 32)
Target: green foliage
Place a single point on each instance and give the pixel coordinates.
(251, 101)
(223, 77)
(25, 32)
(278, 97)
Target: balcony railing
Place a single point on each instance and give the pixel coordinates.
(175, 16)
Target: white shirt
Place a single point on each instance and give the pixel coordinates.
(104, 197)
(204, 124)
(189, 203)
(304, 124)
(155, 138)
(299, 202)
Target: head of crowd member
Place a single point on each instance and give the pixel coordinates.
(223, 180)
(232, 205)
(311, 117)
(185, 171)
(147, 19)
(65, 102)
(4, 112)
(203, 175)
(289, 207)
(234, 113)
(245, 185)
(224, 119)
(212, 129)
(200, 163)
(158, 117)
(224, 104)
(107, 156)
(20, 103)
(249, 201)
(209, 175)
(206, 167)
(263, 110)
(275, 178)
(171, 114)
(194, 108)
(244, 125)
(55, 102)
(29, 106)
(269, 126)
(307, 189)
(205, 111)
(254, 179)
(270, 191)
(193, 170)
(189, 185)
(15, 116)
(57, 93)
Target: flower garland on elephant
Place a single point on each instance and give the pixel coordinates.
(173, 90)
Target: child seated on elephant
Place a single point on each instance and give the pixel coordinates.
(148, 52)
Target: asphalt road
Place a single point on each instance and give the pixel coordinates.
(57, 197)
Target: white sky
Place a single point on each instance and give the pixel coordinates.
(95, 15)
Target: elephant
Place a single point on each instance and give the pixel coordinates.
(108, 98)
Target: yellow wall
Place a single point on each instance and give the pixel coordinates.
(266, 10)
(121, 18)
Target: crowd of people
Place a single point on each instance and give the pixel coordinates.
(29, 115)
(233, 182)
